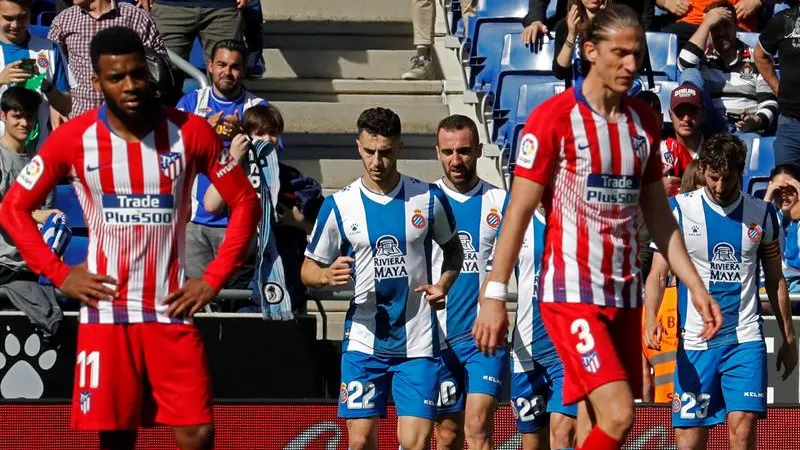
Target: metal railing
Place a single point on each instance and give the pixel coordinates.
(188, 69)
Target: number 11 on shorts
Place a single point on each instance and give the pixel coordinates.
(90, 361)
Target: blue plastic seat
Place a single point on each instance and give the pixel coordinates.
(197, 56)
(663, 48)
(38, 30)
(77, 250)
(521, 93)
(67, 202)
(506, 15)
(663, 89)
(759, 162)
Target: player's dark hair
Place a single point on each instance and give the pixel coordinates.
(651, 99)
(723, 152)
(231, 45)
(261, 120)
(692, 177)
(27, 4)
(459, 122)
(791, 169)
(19, 99)
(379, 122)
(114, 41)
(609, 20)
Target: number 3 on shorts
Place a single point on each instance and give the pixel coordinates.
(89, 361)
(581, 328)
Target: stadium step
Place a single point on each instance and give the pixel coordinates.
(337, 63)
(348, 91)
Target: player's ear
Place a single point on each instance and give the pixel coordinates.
(480, 151)
(96, 83)
(590, 51)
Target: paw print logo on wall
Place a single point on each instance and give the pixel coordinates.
(20, 366)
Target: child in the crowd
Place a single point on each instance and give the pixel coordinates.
(783, 191)
(692, 177)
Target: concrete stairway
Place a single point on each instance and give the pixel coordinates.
(329, 60)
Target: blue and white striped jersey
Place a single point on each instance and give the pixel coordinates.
(723, 243)
(391, 237)
(478, 214)
(530, 341)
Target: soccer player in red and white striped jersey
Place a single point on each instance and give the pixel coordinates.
(132, 164)
(590, 155)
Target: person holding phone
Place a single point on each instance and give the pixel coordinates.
(33, 62)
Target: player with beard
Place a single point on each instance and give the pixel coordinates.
(223, 104)
(140, 358)
(468, 379)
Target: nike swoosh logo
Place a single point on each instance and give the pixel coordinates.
(92, 168)
(583, 147)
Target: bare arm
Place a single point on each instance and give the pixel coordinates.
(647, 380)
(316, 275)
(766, 67)
(59, 101)
(778, 294)
(668, 239)
(654, 288)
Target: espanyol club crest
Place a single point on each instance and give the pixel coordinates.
(42, 61)
(676, 403)
(493, 218)
(418, 220)
(639, 144)
(343, 394)
(171, 164)
(754, 232)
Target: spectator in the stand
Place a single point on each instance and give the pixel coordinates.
(253, 19)
(33, 62)
(536, 23)
(783, 191)
(781, 35)
(423, 18)
(19, 107)
(687, 112)
(222, 104)
(73, 30)
(693, 14)
(740, 98)
(568, 62)
(181, 21)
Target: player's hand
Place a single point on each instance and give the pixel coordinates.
(12, 73)
(573, 22)
(87, 287)
(190, 299)
(41, 215)
(434, 294)
(338, 273)
(533, 34)
(652, 332)
(709, 310)
(677, 7)
(745, 8)
(491, 325)
(787, 357)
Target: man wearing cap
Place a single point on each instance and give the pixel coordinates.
(687, 113)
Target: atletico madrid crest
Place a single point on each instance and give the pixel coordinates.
(639, 144)
(591, 362)
(171, 164)
(418, 220)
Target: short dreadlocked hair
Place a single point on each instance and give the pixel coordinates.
(723, 152)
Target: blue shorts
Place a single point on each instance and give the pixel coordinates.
(463, 370)
(366, 380)
(537, 393)
(710, 383)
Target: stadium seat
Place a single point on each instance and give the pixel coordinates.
(750, 39)
(76, 251)
(492, 21)
(759, 162)
(38, 30)
(67, 202)
(515, 56)
(521, 95)
(197, 56)
(664, 90)
(663, 48)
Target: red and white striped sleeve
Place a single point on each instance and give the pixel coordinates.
(538, 149)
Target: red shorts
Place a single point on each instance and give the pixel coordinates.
(129, 375)
(596, 344)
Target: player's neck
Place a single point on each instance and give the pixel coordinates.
(383, 187)
(20, 39)
(136, 130)
(720, 203)
(11, 144)
(463, 188)
(602, 100)
(222, 96)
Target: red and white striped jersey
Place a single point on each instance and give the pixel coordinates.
(136, 199)
(593, 171)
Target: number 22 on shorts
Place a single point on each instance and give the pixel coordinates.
(586, 341)
(91, 362)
